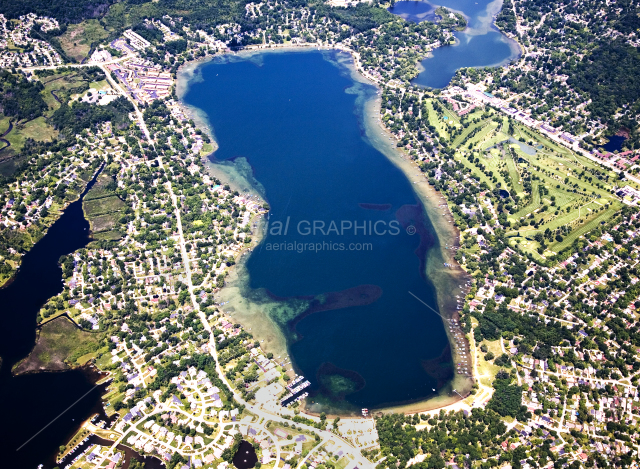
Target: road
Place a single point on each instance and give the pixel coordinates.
(53, 67)
(324, 435)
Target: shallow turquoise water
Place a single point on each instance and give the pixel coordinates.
(296, 118)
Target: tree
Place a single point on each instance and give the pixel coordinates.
(507, 398)
(135, 464)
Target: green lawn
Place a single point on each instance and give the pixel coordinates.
(487, 137)
(463, 136)
(437, 122)
(578, 201)
(514, 176)
(590, 224)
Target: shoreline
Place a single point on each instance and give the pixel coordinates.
(57, 214)
(487, 25)
(445, 231)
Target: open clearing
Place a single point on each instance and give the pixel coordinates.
(78, 39)
(58, 341)
(554, 195)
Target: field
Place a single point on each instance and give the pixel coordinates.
(58, 87)
(37, 129)
(59, 342)
(65, 85)
(78, 39)
(555, 196)
(103, 209)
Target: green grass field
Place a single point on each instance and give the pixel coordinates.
(59, 342)
(64, 85)
(568, 193)
(514, 176)
(37, 129)
(488, 137)
(109, 204)
(435, 119)
(103, 209)
(76, 41)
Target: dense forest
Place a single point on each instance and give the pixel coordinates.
(506, 19)
(65, 11)
(20, 98)
(610, 75)
(361, 18)
(465, 435)
(79, 116)
(507, 398)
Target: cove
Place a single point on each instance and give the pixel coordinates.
(479, 45)
(28, 403)
(293, 124)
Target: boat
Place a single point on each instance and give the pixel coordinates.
(295, 381)
(297, 389)
(365, 412)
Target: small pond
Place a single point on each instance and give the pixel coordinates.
(245, 457)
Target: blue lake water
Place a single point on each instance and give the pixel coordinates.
(297, 118)
(33, 419)
(416, 12)
(480, 45)
(615, 143)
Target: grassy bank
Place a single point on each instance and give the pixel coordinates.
(103, 208)
(60, 343)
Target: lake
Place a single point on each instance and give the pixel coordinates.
(480, 45)
(28, 403)
(347, 238)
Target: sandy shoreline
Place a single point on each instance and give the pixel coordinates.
(252, 313)
(444, 279)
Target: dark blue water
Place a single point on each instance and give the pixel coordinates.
(245, 457)
(480, 45)
(615, 143)
(296, 118)
(30, 434)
